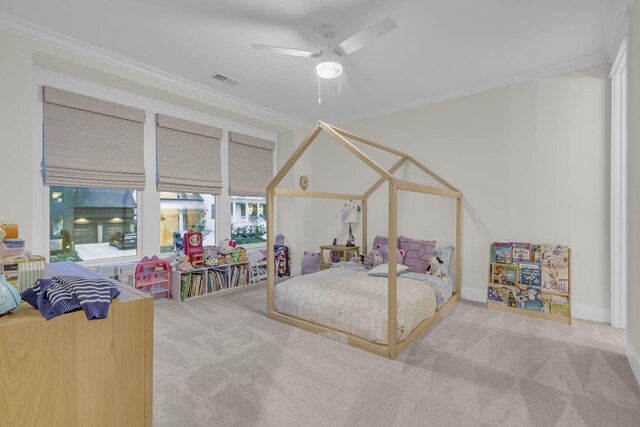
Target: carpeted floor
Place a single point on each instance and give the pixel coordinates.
(220, 362)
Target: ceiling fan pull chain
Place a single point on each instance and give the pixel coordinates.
(319, 90)
(339, 83)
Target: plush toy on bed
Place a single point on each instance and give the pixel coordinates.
(358, 259)
(384, 251)
(310, 262)
(373, 259)
(434, 268)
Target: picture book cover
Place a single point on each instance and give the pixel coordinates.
(520, 252)
(528, 298)
(557, 255)
(530, 274)
(501, 253)
(499, 295)
(560, 305)
(536, 253)
(555, 280)
(504, 274)
(546, 302)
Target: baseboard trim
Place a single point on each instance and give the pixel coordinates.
(593, 314)
(579, 311)
(634, 361)
(474, 294)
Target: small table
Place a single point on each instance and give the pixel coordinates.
(337, 248)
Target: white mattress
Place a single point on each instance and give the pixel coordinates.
(355, 302)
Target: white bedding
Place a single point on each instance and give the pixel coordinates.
(355, 302)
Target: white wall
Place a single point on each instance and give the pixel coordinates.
(530, 159)
(633, 286)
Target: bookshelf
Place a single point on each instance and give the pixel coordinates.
(203, 281)
(531, 280)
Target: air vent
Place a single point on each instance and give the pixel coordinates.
(224, 79)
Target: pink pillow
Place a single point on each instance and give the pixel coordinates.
(418, 253)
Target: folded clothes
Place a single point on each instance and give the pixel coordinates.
(63, 294)
(14, 243)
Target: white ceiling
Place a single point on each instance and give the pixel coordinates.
(440, 48)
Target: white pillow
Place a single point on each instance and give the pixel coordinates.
(382, 270)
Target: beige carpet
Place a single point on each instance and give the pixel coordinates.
(220, 362)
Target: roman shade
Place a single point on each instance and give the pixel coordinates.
(89, 142)
(250, 164)
(188, 156)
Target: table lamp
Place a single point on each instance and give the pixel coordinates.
(349, 216)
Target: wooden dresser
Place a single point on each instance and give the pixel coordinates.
(73, 372)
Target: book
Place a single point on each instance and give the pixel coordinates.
(530, 273)
(560, 305)
(520, 252)
(499, 294)
(557, 255)
(500, 253)
(504, 274)
(535, 254)
(555, 280)
(546, 302)
(528, 298)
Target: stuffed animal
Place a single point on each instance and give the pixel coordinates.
(358, 259)
(373, 259)
(174, 260)
(384, 251)
(310, 262)
(225, 246)
(184, 264)
(434, 269)
(242, 254)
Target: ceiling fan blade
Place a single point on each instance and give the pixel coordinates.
(286, 51)
(364, 37)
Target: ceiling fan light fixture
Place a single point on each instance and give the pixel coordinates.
(329, 69)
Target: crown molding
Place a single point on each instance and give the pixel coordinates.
(509, 80)
(619, 29)
(60, 41)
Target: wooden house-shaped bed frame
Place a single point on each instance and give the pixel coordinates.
(393, 348)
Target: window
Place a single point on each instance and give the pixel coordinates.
(92, 223)
(249, 220)
(183, 212)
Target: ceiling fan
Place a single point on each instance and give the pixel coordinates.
(331, 67)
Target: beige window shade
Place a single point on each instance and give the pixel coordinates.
(91, 143)
(188, 156)
(250, 165)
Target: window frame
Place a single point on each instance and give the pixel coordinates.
(148, 210)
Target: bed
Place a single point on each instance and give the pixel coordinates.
(347, 299)
(380, 315)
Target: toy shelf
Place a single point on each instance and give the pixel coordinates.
(152, 277)
(196, 283)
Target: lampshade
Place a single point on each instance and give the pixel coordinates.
(329, 69)
(349, 214)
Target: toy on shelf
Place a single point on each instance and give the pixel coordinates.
(210, 256)
(152, 277)
(184, 264)
(226, 251)
(193, 248)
